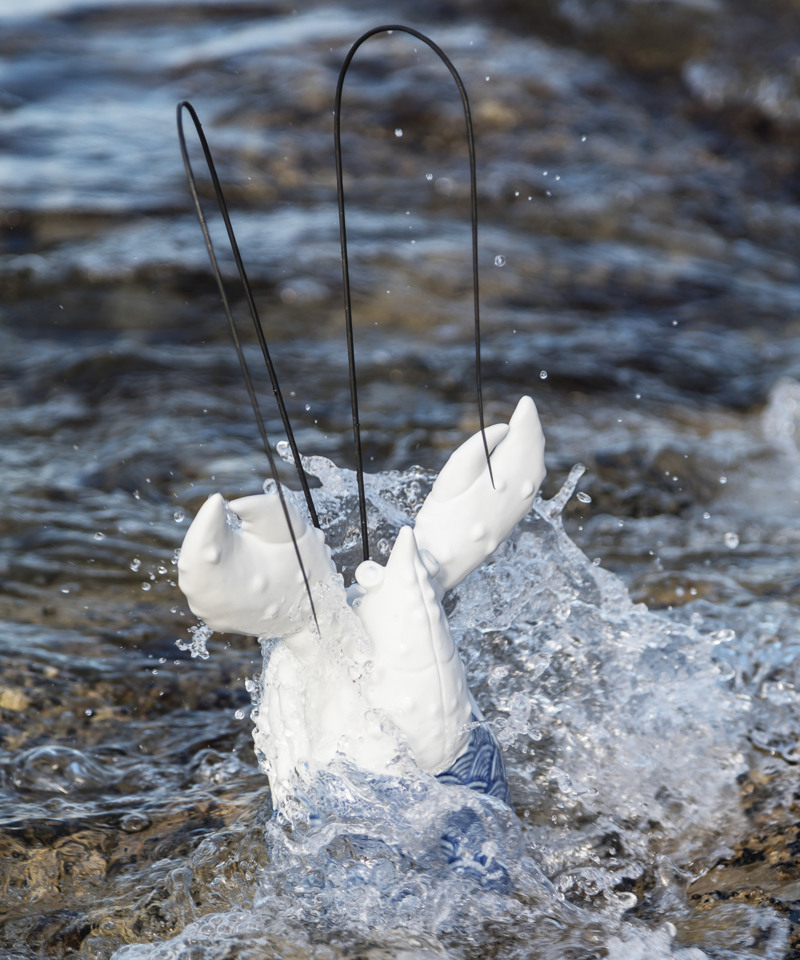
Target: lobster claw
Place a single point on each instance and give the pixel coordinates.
(238, 566)
(416, 675)
(465, 517)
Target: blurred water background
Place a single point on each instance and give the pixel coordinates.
(639, 178)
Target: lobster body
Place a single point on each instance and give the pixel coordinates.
(382, 679)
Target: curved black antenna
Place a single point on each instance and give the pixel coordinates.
(348, 312)
(185, 105)
(273, 377)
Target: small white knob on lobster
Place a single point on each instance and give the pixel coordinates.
(238, 566)
(464, 517)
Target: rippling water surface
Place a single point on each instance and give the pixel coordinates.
(635, 643)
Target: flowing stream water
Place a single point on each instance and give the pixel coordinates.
(635, 643)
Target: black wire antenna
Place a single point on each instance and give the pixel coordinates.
(223, 209)
(348, 312)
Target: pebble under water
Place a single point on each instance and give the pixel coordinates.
(634, 643)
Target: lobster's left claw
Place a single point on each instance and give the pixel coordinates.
(416, 676)
(465, 517)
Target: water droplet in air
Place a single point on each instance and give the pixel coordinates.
(499, 260)
(731, 540)
(429, 176)
(146, 585)
(99, 536)
(542, 374)
(239, 714)
(135, 564)
(284, 451)
(383, 546)
(307, 407)
(179, 516)
(584, 497)
(723, 480)
(398, 132)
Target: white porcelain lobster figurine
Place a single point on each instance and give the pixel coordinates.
(382, 671)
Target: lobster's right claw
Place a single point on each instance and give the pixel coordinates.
(243, 576)
(464, 517)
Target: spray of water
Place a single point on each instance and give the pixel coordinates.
(623, 740)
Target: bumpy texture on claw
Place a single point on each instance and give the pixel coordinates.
(416, 677)
(465, 518)
(243, 577)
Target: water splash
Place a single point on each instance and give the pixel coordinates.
(608, 714)
(200, 635)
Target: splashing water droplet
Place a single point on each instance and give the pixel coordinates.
(197, 645)
(135, 564)
(179, 516)
(583, 497)
(499, 260)
(398, 132)
(285, 451)
(731, 540)
(542, 374)
(99, 536)
(429, 176)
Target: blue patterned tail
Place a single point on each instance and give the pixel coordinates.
(480, 767)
